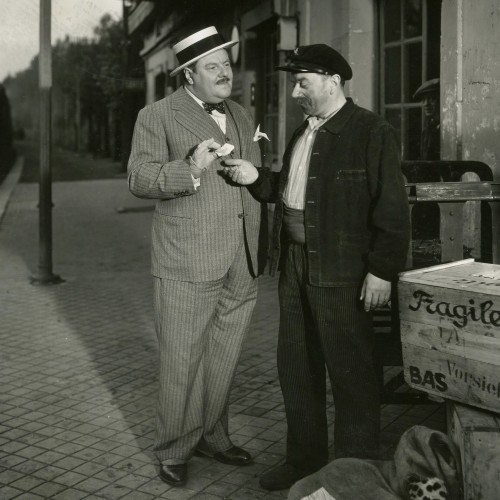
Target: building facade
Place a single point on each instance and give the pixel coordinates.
(393, 47)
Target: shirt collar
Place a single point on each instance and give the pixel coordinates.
(199, 101)
(316, 121)
(336, 123)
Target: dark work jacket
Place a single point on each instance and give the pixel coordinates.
(356, 207)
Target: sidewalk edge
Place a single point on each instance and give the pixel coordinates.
(9, 183)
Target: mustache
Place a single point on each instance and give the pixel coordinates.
(303, 101)
(224, 79)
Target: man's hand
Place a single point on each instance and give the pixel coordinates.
(240, 171)
(375, 292)
(203, 157)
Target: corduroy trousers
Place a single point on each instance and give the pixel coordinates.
(325, 329)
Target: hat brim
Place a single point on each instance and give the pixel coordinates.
(305, 67)
(302, 68)
(191, 61)
(421, 93)
(428, 87)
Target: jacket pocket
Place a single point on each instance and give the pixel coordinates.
(174, 220)
(351, 175)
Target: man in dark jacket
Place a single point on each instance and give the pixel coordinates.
(341, 234)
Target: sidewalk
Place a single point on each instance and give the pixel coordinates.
(78, 362)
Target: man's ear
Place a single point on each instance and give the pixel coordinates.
(187, 74)
(335, 79)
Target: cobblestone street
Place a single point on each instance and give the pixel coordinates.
(78, 360)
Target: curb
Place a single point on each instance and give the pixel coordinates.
(9, 183)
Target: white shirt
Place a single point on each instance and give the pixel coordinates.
(295, 190)
(219, 118)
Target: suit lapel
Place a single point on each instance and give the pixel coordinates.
(189, 114)
(245, 134)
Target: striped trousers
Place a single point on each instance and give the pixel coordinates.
(325, 327)
(200, 329)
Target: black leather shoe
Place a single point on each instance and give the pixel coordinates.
(175, 475)
(282, 477)
(233, 456)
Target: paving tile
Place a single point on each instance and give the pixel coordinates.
(221, 488)
(71, 494)
(138, 495)
(14, 434)
(13, 447)
(205, 496)
(257, 444)
(8, 461)
(178, 494)
(9, 492)
(30, 496)
(154, 487)
(26, 483)
(89, 468)
(132, 481)
(48, 489)
(246, 494)
(114, 491)
(92, 485)
(8, 476)
(70, 478)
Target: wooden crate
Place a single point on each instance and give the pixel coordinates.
(450, 331)
(476, 433)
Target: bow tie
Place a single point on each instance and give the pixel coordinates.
(209, 107)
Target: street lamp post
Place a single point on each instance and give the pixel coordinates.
(44, 276)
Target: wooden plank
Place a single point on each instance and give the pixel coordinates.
(453, 191)
(452, 341)
(476, 433)
(408, 275)
(461, 309)
(472, 219)
(495, 231)
(478, 277)
(463, 268)
(452, 377)
(451, 231)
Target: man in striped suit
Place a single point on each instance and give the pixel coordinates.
(208, 247)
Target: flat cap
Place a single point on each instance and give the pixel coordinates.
(427, 88)
(318, 58)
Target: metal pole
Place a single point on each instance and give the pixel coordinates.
(44, 276)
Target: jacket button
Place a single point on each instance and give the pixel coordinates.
(241, 216)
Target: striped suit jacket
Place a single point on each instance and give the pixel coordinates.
(195, 233)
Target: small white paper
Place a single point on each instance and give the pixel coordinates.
(224, 150)
(259, 135)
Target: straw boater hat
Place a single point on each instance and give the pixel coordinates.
(197, 45)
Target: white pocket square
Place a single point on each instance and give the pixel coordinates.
(259, 135)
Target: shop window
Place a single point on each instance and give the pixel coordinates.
(267, 90)
(160, 86)
(410, 55)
